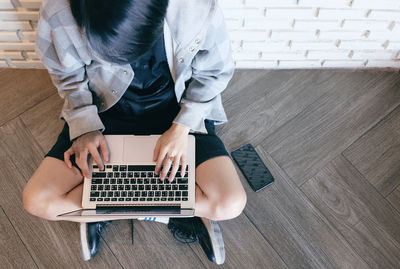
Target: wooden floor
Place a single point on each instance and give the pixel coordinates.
(330, 138)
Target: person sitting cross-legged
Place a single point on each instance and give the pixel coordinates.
(138, 67)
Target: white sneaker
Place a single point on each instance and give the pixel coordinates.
(84, 241)
(207, 232)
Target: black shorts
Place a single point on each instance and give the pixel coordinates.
(207, 145)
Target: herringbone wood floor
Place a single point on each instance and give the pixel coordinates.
(330, 138)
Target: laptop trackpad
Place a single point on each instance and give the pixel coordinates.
(139, 150)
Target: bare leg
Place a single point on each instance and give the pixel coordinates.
(55, 189)
(219, 192)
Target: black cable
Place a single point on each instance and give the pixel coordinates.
(133, 230)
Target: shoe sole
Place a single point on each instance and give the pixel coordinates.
(84, 241)
(217, 241)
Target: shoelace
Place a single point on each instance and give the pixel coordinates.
(183, 235)
(101, 226)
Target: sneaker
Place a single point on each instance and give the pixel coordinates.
(207, 232)
(90, 237)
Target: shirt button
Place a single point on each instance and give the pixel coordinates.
(181, 60)
(114, 91)
(197, 41)
(191, 49)
(125, 72)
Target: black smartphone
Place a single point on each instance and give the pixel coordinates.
(252, 167)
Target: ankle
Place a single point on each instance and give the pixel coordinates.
(164, 220)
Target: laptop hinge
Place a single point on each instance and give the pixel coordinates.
(168, 208)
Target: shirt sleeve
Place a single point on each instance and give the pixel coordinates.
(212, 69)
(68, 73)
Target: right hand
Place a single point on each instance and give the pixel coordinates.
(84, 145)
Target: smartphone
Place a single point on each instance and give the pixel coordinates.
(252, 167)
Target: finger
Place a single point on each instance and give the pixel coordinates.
(160, 160)
(156, 151)
(96, 156)
(90, 163)
(183, 165)
(67, 157)
(167, 166)
(83, 163)
(175, 166)
(104, 149)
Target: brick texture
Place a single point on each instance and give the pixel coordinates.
(265, 33)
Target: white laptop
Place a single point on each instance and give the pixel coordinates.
(128, 188)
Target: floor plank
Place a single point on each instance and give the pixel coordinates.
(377, 154)
(243, 79)
(245, 247)
(43, 121)
(329, 125)
(153, 247)
(358, 211)
(13, 253)
(51, 244)
(20, 146)
(394, 198)
(21, 89)
(294, 227)
(316, 113)
(259, 108)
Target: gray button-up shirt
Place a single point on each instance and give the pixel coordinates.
(197, 47)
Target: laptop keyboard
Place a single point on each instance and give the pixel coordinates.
(127, 183)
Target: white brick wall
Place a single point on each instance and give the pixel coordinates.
(18, 19)
(314, 33)
(264, 33)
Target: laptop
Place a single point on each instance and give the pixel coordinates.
(128, 188)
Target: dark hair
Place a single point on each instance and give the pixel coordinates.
(120, 30)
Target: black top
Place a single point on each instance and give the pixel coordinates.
(151, 93)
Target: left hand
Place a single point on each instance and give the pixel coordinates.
(173, 143)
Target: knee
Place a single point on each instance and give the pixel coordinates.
(36, 203)
(229, 207)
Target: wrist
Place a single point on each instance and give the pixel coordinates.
(180, 127)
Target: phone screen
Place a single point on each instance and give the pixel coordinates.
(252, 167)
